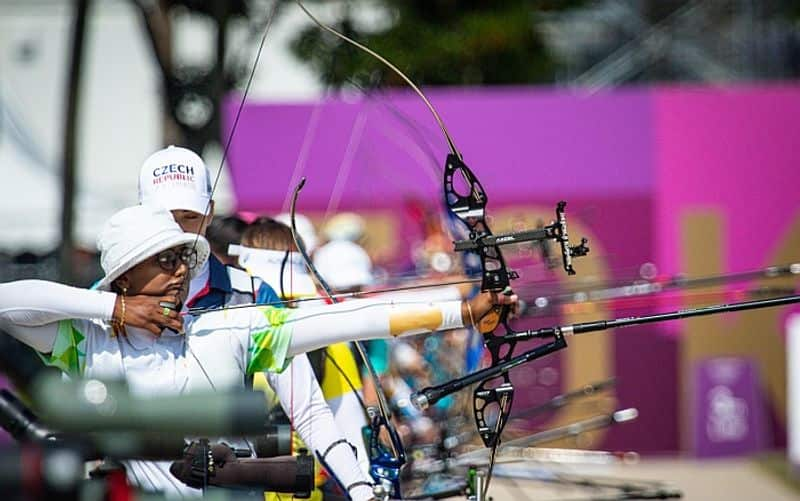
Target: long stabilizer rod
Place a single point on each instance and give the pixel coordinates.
(429, 396)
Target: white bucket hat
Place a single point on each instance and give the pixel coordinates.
(176, 179)
(136, 233)
(344, 264)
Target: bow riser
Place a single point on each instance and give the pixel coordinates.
(470, 208)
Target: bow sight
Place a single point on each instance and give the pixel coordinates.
(470, 208)
(557, 231)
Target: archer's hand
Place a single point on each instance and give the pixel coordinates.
(485, 302)
(146, 313)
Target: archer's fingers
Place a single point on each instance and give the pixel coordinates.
(505, 298)
(167, 318)
(168, 313)
(169, 306)
(175, 324)
(153, 328)
(170, 301)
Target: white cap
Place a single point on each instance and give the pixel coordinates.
(344, 264)
(175, 179)
(304, 228)
(136, 233)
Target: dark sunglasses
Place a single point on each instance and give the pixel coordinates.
(168, 259)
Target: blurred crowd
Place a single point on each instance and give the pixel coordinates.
(263, 246)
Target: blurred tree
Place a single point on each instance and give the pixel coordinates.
(192, 93)
(70, 147)
(472, 42)
(437, 42)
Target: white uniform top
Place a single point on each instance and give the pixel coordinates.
(69, 325)
(167, 365)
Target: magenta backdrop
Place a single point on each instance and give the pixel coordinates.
(735, 150)
(630, 162)
(520, 142)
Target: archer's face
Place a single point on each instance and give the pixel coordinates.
(164, 274)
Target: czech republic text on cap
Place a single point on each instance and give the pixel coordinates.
(175, 178)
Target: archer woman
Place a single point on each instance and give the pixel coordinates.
(130, 329)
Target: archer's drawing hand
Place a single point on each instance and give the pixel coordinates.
(149, 313)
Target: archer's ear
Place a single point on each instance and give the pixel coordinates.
(122, 283)
(210, 210)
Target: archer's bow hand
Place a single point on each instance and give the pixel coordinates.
(480, 306)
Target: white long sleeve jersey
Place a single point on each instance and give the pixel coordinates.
(70, 327)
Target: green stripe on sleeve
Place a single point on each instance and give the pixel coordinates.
(69, 350)
(269, 344)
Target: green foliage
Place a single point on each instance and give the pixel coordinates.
(436, 42)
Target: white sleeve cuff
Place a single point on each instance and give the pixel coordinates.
(107, 301)
(451, 315)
